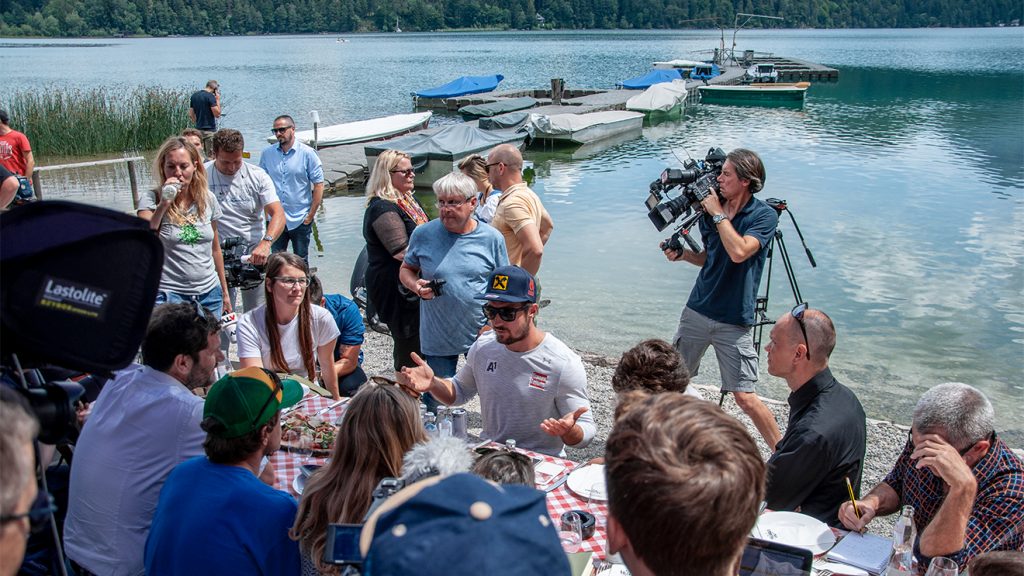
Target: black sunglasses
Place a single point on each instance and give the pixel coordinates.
(281, 130)
(798, 313)
(506, 314)
(488, 166)
(37, 515)
(278, 387)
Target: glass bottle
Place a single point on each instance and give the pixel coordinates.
(904, 535)
(444, 421)
(430, 425)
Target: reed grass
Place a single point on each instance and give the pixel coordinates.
(63, 121)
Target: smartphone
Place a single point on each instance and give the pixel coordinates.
(343, 545)
(765, 558)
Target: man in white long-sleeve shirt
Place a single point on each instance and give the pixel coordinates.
(533, 388)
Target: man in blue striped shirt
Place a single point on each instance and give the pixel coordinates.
(298, 176)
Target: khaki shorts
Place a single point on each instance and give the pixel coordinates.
(734, 347)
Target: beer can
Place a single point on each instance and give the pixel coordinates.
(459, 422)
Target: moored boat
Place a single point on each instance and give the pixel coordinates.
(755, 93)
(363, 130)
(704, 72)
(655, 76)
(462, 86)
(497, 107)
(763, 73)
(582, 128)
(664, 98)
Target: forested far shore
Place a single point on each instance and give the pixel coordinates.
(82, 18)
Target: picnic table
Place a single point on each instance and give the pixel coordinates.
(559, 500)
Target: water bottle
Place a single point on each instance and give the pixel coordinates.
(169, 191)
(444, 425)
(430, 425)
(904, 534)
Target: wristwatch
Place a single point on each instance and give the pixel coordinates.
(718, 218)
(268, 238)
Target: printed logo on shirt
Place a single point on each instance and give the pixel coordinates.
(492, 366)
(500, 282)
(538, 381)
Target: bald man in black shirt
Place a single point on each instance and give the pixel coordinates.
(825, 439)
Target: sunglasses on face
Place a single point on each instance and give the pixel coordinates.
(798, 313)
(488, 166)
(407, 172)
(506, 314)
(281, 130)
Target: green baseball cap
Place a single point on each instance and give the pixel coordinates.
(246, 399)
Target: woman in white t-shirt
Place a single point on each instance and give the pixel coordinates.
(288, 334)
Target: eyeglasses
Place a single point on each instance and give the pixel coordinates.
(37, 515)
(798, 313)
(488, 166)
(441, 204)
(291, 282)
(281, 130)
(273, 394)
(407, 172)
(506, 314)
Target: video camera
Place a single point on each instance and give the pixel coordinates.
(68, 307)
(238, 270)
(696, 180)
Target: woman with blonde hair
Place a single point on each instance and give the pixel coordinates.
(475, 166)
(392, 213)
(381, 424)
(288, 333)
(183, 211)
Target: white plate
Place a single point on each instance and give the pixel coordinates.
(794, 529)
(588, 482)
(299, 484)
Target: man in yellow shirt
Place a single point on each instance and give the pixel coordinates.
(520, 217)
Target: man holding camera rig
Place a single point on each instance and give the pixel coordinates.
(735, 228)
(245, 194)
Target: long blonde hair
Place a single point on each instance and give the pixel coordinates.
(475, 166)
(379, 184)
(381, 424)
(277, 261)
(197, 191)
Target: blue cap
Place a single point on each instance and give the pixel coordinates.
(510, 284)
(492, 529)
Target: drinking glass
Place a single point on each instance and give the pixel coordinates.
(571, 533)
(304, 449)
(942, 566)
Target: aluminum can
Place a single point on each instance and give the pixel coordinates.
(459, 422)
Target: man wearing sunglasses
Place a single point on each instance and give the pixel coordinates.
(826, 435)
(965, 484)
(214, 506)
(720, 311)
(532, 387)
(142, 425)
(17, 477)
(298, 176)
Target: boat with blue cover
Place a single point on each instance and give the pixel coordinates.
(705, 72)
(462, 86)
(655, 76)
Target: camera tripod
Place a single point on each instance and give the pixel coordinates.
(761, 303)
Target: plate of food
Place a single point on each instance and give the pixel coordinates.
(301, 432)
(588, 482)
(794, 529)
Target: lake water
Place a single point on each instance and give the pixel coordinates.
(906, 178)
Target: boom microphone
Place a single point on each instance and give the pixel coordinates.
(443, 456)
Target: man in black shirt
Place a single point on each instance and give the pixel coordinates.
(825, 438)
(204, 109)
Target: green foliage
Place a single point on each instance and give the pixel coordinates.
(64, 122)
(221, 17)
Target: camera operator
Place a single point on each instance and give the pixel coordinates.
(720, 311)
(247, 198)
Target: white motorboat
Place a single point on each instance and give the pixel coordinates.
(663, 98)
(364, 130)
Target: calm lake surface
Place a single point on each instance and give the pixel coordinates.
(906, 178)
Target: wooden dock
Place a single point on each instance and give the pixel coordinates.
(345, 168)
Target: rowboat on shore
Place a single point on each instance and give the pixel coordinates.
(755, 93)
(363, 130)
(582, 128)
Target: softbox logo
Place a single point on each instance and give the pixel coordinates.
(68, 296)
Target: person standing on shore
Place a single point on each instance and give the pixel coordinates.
(965, 484)
(16, 156)
(720, 311)
(204, 109)
(520, 216)
(298, 176)
(826, 436)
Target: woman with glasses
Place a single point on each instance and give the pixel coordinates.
(475, 166)
(392, 213)
(183, 211)
(381, 424)
(288, 334)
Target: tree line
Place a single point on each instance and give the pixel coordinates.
(80, 18)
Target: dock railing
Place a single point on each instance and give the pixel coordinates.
(133, 176)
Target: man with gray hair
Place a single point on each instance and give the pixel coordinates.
(447, 264)
(965, 484)
(17, 482)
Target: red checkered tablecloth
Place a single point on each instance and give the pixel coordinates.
(559, 500)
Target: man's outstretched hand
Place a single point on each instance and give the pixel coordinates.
(565, 424)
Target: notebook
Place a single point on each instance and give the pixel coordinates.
(865, 551)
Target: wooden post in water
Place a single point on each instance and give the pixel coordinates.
(134, 180)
